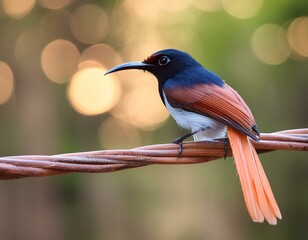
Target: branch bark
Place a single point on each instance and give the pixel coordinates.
(114, 160)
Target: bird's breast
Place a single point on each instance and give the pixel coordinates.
(194, 122)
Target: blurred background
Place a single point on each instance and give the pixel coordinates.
(55, 99)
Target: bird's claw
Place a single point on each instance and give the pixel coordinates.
(226, 144)
(178, 141)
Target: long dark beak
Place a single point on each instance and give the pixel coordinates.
(130, 65)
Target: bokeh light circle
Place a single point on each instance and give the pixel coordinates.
(60, 60)
(90, 64)
(269, 43)
(102, 53)
(89, 24)
(298, 36)
(6, 82)
(17, 8)
(92, 93)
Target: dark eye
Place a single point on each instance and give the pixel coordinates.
(164, 60)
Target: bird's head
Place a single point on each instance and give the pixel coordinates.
(163, 64)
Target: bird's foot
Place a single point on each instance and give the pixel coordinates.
(180, 142)
(226, 144)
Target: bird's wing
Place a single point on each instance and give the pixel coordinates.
(221, 103)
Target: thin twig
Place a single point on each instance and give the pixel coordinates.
(113, 160)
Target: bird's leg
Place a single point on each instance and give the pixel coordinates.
(180, 140)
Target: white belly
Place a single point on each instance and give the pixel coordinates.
(194, 122)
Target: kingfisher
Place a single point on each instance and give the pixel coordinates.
(201, 102)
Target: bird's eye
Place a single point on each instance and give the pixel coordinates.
(164, 60)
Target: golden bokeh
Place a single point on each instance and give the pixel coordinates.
(141, 105)
(90, 64)
(60, 60)
(298, 36)
(114, 134)
(269, 43)
(6, 82)
(92, 93)
(103, 54)
(89, 24)
(17, 8)
(54, 4)
(242, 9)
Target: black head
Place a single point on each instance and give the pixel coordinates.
(163, 64)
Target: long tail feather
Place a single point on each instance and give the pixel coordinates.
(258, 195)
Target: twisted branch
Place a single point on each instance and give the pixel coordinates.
(113, 160)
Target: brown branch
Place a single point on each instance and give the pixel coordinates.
(114, 160)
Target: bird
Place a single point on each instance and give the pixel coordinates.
(201, 102)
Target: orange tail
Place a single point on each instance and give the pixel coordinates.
(257, 191)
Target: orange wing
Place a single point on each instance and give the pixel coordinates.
(221, 103)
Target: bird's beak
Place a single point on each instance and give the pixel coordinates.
(130, 65)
